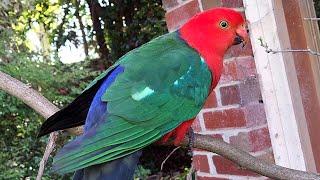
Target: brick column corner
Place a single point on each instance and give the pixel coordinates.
(234, 111)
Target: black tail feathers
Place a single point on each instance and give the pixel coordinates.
(72, 115)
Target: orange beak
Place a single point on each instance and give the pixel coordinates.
(241, 36)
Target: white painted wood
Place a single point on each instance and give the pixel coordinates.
(274, 81)
(200, 5)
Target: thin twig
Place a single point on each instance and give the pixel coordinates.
(49, 148)
(312, 19)
(293, 50)
(269, 50)
(164, 161)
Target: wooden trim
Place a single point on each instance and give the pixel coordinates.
(302, 35)
(312, 28)
(279, 86)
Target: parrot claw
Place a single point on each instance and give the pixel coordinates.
(191, 141)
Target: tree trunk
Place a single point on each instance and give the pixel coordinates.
(84, 39)
(95, 10)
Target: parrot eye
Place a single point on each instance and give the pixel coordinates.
(224, 24)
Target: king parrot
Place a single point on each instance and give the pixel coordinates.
(153, 92)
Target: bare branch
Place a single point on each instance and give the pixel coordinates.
(29, 96)
(49, 148)
(164, 161)
(269, 50)
(242, 158)
(312, 19)
(38, 103)
(247, 161)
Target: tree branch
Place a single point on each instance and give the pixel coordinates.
(29, 96)
(246, 160)
(49, 148)
(38, 103)
(240, 157)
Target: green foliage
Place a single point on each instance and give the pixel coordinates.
(56, 23)
(141, 173)
(21, 151)
(19, 124)
(124, 25)
(143, 21)
(317, 7)
(7, 7)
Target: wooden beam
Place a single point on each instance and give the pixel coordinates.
(279, 86)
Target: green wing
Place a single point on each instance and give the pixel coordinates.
(164, 83)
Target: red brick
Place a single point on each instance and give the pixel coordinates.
(260, 139)
(232, 3)
(246, 92)
(168, 4)
(201, 163)
(209, 178)
(208, 4)
(211, 101)
(238, 50)
(245, 67)
(230, 95)
(225, 118)
(196, 125)
(229, 72)
(242, 141)
(255, 114)
(253, 141)
(250, 90)
(177, 17)
(238, 69)
(225, 166)
(268, 156)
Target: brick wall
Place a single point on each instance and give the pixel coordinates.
(234, 112)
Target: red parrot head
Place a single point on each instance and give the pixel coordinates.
(212, 32)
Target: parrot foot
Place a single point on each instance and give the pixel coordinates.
(191, 141)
